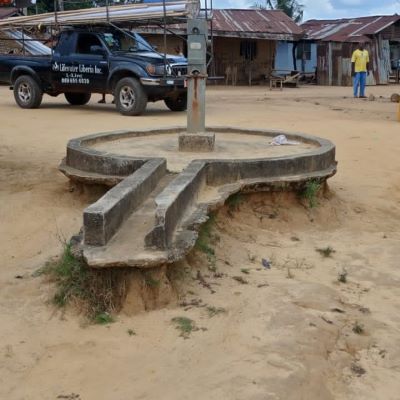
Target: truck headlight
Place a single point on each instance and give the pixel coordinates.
(151, 69)
(159, 69)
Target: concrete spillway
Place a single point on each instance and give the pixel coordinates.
(160, 196)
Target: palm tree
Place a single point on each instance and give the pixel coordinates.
(290, 7)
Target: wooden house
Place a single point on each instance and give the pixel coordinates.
(244, 42)
(335, 41)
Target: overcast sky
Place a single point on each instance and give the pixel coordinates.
(329, 8)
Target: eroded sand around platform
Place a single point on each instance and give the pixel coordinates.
(278, 337)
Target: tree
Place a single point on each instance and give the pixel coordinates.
(292, 8)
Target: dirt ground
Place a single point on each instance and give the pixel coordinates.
(293, 331)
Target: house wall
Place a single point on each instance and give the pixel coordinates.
(227, 54)
(334, 62)
(284, 58)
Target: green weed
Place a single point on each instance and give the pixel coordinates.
(204, 240)
(358, 328)
(310, 193)
(103, 318)
(233, 202)
(326, 251)
(96, 293)
(212, 311)
(150, 281)
(342, 276)
(185, 325)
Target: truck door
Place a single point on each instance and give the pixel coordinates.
(84, 68)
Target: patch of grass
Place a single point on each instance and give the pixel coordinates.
(213, 311)
(245, 271)
(233, 202)
(358, 328)
(326, 251)
(96, 293)
(149, 280)
(185, 325)
(204, 240)
(131, 332)
(342, 276)
(103, 318)
(310, 193)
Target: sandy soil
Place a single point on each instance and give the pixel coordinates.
(286, 334)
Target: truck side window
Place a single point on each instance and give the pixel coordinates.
(85, 41)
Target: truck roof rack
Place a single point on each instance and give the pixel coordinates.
(129, 14)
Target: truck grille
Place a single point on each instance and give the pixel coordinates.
(179, 70)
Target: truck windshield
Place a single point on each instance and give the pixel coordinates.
(118, 41)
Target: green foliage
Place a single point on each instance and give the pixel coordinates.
(205, 236)
(358, 328)
(149, 280)
(233, 202)
(245, 271)
(103, 318)
(292, 8)
(204, 240)
(342, 276)
(131, 332)
(212, 311)
(184, 325)
(310, 193)
(44, 6)
(70, 275)
(97, 293)
(326, 251)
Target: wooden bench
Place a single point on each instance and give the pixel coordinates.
(277, 81)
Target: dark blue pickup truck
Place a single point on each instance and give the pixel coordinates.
(103, 60)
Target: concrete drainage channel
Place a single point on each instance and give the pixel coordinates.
(151, 216)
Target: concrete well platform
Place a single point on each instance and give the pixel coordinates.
(159, 197)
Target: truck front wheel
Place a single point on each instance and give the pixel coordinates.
(27, 92)
(178, 103)
(130, 98)
(77, 99)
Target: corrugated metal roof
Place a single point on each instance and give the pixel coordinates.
(254, 21)
(245, 23)
(348, 29)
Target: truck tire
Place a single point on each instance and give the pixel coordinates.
(130, 98)
(77, 99)
(177, 103)
(27, 92)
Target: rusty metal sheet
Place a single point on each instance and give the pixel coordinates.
(348, 29)
(262, 21)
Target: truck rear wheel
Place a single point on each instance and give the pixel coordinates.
(178, 103)
(77, 99)
(130, 98)
(27, 92)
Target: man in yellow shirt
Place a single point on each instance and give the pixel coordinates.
(360, 69)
